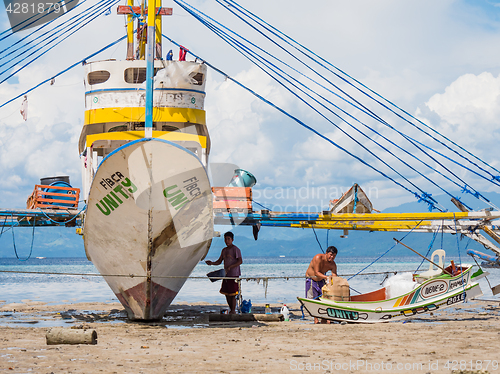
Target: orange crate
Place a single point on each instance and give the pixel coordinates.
(232, 199)
(44, 197)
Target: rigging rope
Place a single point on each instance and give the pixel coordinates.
(32, 241)
(251, 56)
(61, 222)
(65, 70)
(364, 110)
(429, 248)
(102, 10)
(386, 252)
(285, 277)
(290, 41)
(35, 31)
(314, 231)
(423, 197)
(34, 21)
(53, 32)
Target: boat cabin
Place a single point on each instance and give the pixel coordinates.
(115, 94)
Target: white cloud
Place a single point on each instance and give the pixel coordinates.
(468, 101)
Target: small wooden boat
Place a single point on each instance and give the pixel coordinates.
(353, 201)
(437, 292)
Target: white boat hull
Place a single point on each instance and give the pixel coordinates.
(148, 223)
(434, 294)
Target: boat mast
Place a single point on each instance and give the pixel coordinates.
(150, 56)
(130, 32)
(149, 51)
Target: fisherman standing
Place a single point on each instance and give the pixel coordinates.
(316, 273)
(231, 255)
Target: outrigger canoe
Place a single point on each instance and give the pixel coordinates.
(438, 292)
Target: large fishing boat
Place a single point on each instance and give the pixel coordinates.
(149, 219)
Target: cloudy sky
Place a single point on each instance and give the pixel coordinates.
(439, 60)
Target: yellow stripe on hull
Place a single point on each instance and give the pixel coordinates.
(134, 135)
(398, 302)
(137, 114)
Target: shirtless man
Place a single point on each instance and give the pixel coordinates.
(316, 273)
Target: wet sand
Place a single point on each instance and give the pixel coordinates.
(185, 342)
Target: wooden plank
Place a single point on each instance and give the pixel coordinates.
(42, 194)
(232, 204)
(57, 207)
(49, 201)
(245, 317)
(44, 186)
(495, 289)
(230, 192)
(125, 9)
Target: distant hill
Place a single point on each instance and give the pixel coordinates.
(272, 242)
(48, 242)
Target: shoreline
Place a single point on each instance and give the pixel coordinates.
(184, 341)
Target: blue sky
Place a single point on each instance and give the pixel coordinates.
(438, 60)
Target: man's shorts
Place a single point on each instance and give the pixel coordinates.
(229, 287)
(313, 288)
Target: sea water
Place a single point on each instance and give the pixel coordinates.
(84, 285)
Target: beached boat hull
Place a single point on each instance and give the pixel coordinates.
(434, 294)
(148, 223)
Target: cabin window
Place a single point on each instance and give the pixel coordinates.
(136, 75)
(118, 128)
(198, 78)
(97, 77)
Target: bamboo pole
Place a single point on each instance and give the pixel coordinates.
(432, 262)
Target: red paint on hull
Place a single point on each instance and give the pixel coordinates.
(150, 305)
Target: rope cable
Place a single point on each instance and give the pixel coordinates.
(32, 241)
(251, 56)
(65, 70)
(428, 248)
(314, 231)
(383, 254)
(34, 32)
(294, 44)
(423, 198)
(218, 31)
(53, 32)
(44, 52)
(34, 21)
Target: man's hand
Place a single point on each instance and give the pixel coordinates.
(208, 262)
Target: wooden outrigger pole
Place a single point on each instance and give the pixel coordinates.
(466, 223)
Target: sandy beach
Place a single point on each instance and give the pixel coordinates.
(466, 337)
